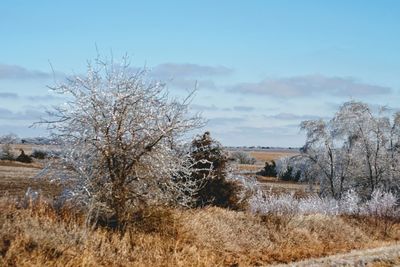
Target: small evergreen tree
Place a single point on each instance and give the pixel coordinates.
(210, 164)
(243, 158)
(39, 154)
(23, 157)
(269, 169)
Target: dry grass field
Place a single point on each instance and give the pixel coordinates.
(268, 155)
(16, 178)
(36, 234)
(272, 184)
(263, 156)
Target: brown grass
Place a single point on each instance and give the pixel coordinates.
(17, 177)
(40, 236)
(263, 156)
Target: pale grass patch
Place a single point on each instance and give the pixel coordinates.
(16, 178)
(223, 230)
(40, 236)
(263, 156)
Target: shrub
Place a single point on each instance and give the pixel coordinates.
(23, 157)
(290, 175)
(210, 166)
(6, 152)
(39, 154)
(269, 169)
(243, 158)
(121, 138)
(381, 206)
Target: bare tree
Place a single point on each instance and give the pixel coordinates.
(6, 152)
(122, 138)
(355, 149)
(243, 158)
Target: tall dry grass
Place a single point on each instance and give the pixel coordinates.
(36, 234)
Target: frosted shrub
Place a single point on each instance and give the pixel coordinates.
(122, 139)
(350, 203)
(6, 152)
(243, 158)
(248, 185)
(382, 205)
(30, 198)
(314, 204)
(271, 204)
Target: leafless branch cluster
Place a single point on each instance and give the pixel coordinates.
(122, 138)
(357, 149)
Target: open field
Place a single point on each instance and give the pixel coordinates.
(16, 178)
(272, 184)
(263, 156)
(269, 155)
(38, 235)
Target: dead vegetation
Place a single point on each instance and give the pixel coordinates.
(37, 233)
(263, 156)
(33, 233)
(17, 177)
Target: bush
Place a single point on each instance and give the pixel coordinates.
(210, 166)
(243, 158)
(6, 152)
(121, 139)
(221, 193)
(39, 154)
(269, 169)
(381, 206)
(290, 175)
(23, 157)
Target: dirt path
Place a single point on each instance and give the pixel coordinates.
(383, 256)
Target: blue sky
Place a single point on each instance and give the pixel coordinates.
(262, 66)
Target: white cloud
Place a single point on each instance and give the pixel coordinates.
(176, 70)
(308, 85)
(243, 108)
(291, 116)
(9, 95)
(17, 72)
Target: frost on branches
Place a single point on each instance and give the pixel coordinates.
(356, 150)
(122, 139)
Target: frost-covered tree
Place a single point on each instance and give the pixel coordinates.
(243, 158)
(6, 152)
(9, 139)
(357, 149)
(122, 135)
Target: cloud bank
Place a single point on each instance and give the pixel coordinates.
(310, 85)
(189, 76)
(20, 73)
(168, 70)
